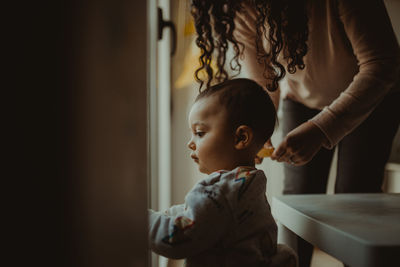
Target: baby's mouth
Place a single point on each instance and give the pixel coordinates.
(196, 159)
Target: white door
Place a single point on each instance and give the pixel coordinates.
(162, 35)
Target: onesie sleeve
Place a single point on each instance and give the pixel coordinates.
(190, 230)
(368, 28)
(174, 210)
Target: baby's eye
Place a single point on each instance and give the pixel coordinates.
(199, 133)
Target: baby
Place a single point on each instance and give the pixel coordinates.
(226, 219)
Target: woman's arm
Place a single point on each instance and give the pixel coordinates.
(369, 30)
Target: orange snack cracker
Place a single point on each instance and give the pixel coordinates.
(265, 152)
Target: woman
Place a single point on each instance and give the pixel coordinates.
(335, 64)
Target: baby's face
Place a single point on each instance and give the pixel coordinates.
(212, 142)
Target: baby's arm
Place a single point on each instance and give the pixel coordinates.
(193, 229)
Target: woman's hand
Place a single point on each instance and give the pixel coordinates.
(300, 145)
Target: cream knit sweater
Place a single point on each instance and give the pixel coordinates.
(352, 62)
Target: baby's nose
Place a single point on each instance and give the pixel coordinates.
(191, 145)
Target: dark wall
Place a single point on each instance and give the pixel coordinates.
(76, 73)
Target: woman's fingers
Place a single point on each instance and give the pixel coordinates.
(293, 161)
(288, 158)
(300, 145)
(280, 154)
(284, 153)
(268, 144)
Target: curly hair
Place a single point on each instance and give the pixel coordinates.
(282, 22)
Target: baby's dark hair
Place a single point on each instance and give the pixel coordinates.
(247, 103)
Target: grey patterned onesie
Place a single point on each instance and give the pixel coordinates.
(225, 221)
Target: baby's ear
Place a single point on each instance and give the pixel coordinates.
(243, 137)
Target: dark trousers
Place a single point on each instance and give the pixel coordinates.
(362, 156)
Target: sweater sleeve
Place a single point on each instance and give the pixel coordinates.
(189, 231)
(368, 28)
